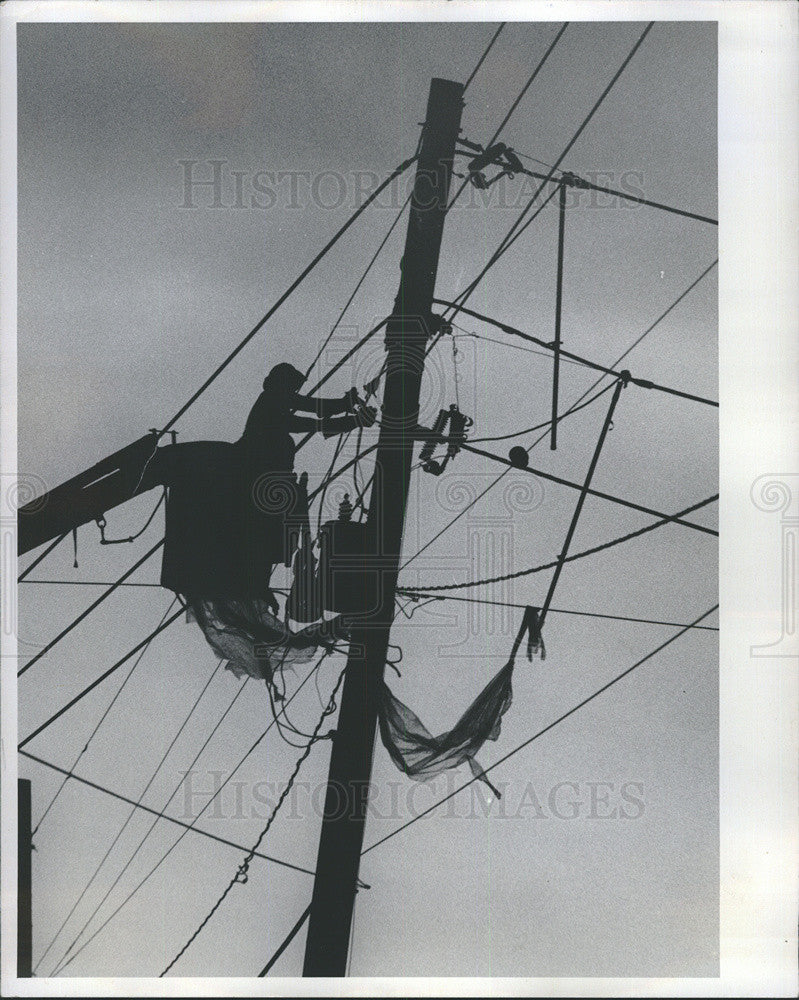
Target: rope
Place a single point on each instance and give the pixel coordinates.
(88, 611)
(577, 555)
(103, 717)
(241, 874)
(131, 538)
(292, 287)
(124, 827)
(100, 679)
(481, 60)
(541, 732)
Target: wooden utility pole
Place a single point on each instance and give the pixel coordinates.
(24, 908)
(407, 334)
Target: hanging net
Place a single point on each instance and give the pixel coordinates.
(421, 755)
(253, 641)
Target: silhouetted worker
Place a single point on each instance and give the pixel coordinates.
(267, 439)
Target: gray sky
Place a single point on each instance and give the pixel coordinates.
(127, 302)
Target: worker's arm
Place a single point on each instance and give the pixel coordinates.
(331, 426)
(325, 407)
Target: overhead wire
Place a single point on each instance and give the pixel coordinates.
(292, 287)
(541, 732)
(522, 92)
(474, 501)
(570, 558)
(518, 227)
(99, 680)
(423, 594)
(127, 820)
(95, 604)
(152, 826)
(482, 58)
(96, 729)
(621, 501)
(361, 280)
(187, 827)
(192, 828)
(241, 874)
(643, 383)
(41, 556)
(486, 770)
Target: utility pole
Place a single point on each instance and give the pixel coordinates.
(24, 908)
(407, 334)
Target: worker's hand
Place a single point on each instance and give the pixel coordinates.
(365, 416)
(351, 399)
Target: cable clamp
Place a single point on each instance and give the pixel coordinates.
(573, 180)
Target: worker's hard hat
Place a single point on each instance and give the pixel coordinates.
(284, 376)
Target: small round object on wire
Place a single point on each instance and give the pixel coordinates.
(518, 457)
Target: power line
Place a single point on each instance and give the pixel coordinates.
(100, 679)
(361, 280)
(579, 400)
(515, 104)
(506, 343)
(241, 874)
(292, 287)
(581, 182)
(621, 501)
(191, 827)
(422, 594)
(92, 606)
(541, 732)
(124, 826)
(491, 767)
(187, 827)
(643, 383)
(42, 556)
(510, 238)
(481, 60)
(546, 423)
(163, 809)
(102, 719)
(93, 583)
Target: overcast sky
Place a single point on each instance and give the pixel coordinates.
(127, 300)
